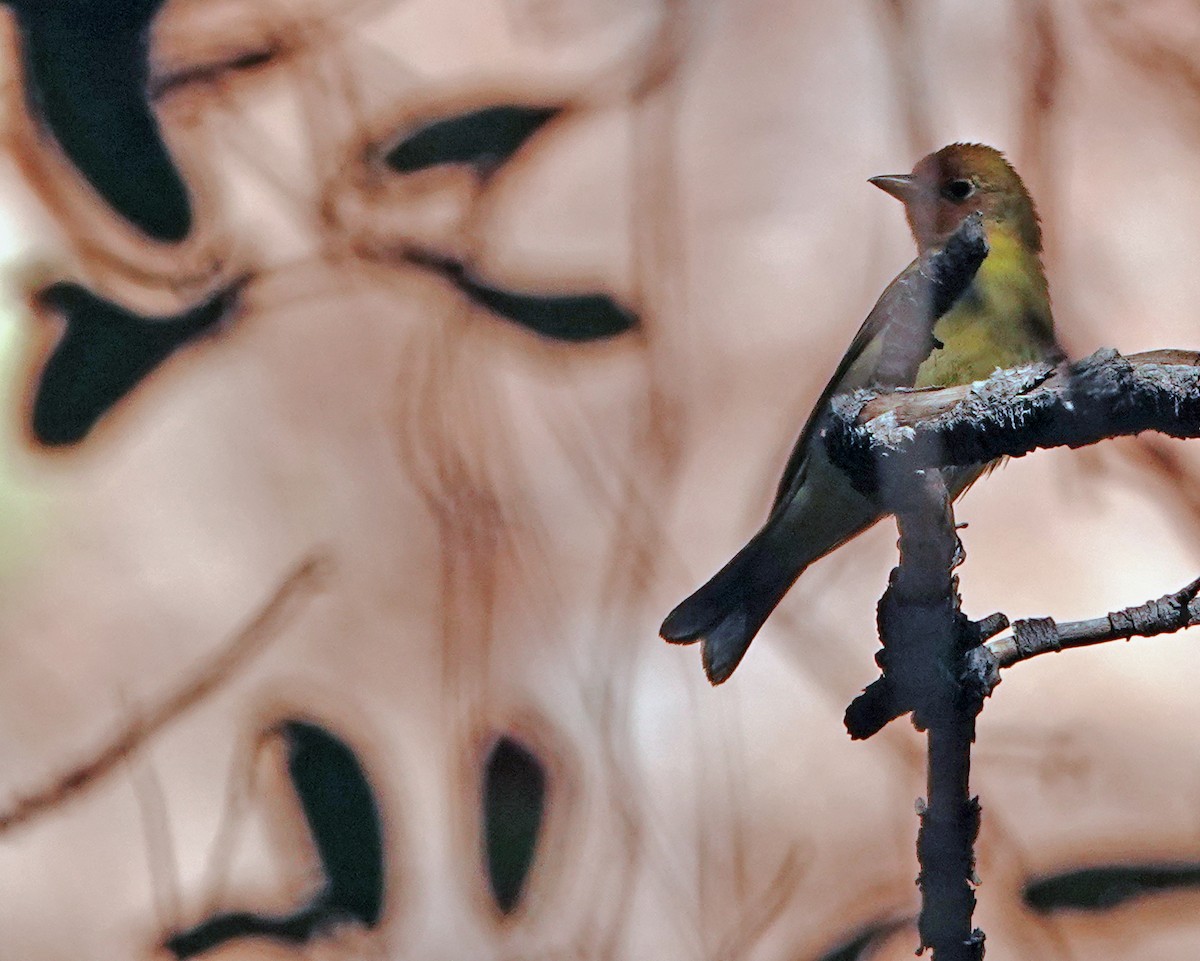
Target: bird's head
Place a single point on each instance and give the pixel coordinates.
(956, 181)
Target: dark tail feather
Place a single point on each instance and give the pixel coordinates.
(727, 612)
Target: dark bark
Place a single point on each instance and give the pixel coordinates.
(937, 663)
(925, 638)
(875, 437)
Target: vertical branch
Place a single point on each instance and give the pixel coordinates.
(925, 637)
(946, 844)
(934, 662)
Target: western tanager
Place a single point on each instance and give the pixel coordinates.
(1001, 319)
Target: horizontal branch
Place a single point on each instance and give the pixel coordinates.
(880, 703)
(872, 434)
(1164, 615)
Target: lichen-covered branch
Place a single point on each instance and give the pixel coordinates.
(936, 662)
(940, 665)
(876, 436)
(881, 703)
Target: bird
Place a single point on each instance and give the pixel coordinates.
(1001, 318)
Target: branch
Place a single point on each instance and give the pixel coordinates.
(1164, 615)
(882, 438)
(935, 662)
(880, 704)
(873, 435)
(925, 637)
(919, 297)
(264, 627)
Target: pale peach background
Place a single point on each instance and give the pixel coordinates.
(507, 519)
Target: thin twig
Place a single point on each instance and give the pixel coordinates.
(880, 704)
(1164, 615)
(283, 606)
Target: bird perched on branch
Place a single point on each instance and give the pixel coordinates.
(919, 334)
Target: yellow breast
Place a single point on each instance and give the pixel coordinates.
(1002, 320)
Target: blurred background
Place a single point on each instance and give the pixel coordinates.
(376, 374)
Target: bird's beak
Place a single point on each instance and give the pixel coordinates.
(904, 187)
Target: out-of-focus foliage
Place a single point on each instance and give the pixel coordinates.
(522, 304)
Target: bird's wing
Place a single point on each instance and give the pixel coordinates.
(845, 378)
(900, 325)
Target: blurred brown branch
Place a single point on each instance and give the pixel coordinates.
(280, 609)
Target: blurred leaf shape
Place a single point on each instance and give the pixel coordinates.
(342, 815)
(299, 927)
(103, 354)
(514, 802)
(484, 139)
(1108, 886)
(574, 318)
(86, 68)
(347, 830)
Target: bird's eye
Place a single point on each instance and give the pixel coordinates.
(958, 190)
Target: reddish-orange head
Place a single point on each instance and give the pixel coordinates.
(958, 180)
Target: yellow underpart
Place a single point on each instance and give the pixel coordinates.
(1002, 320)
